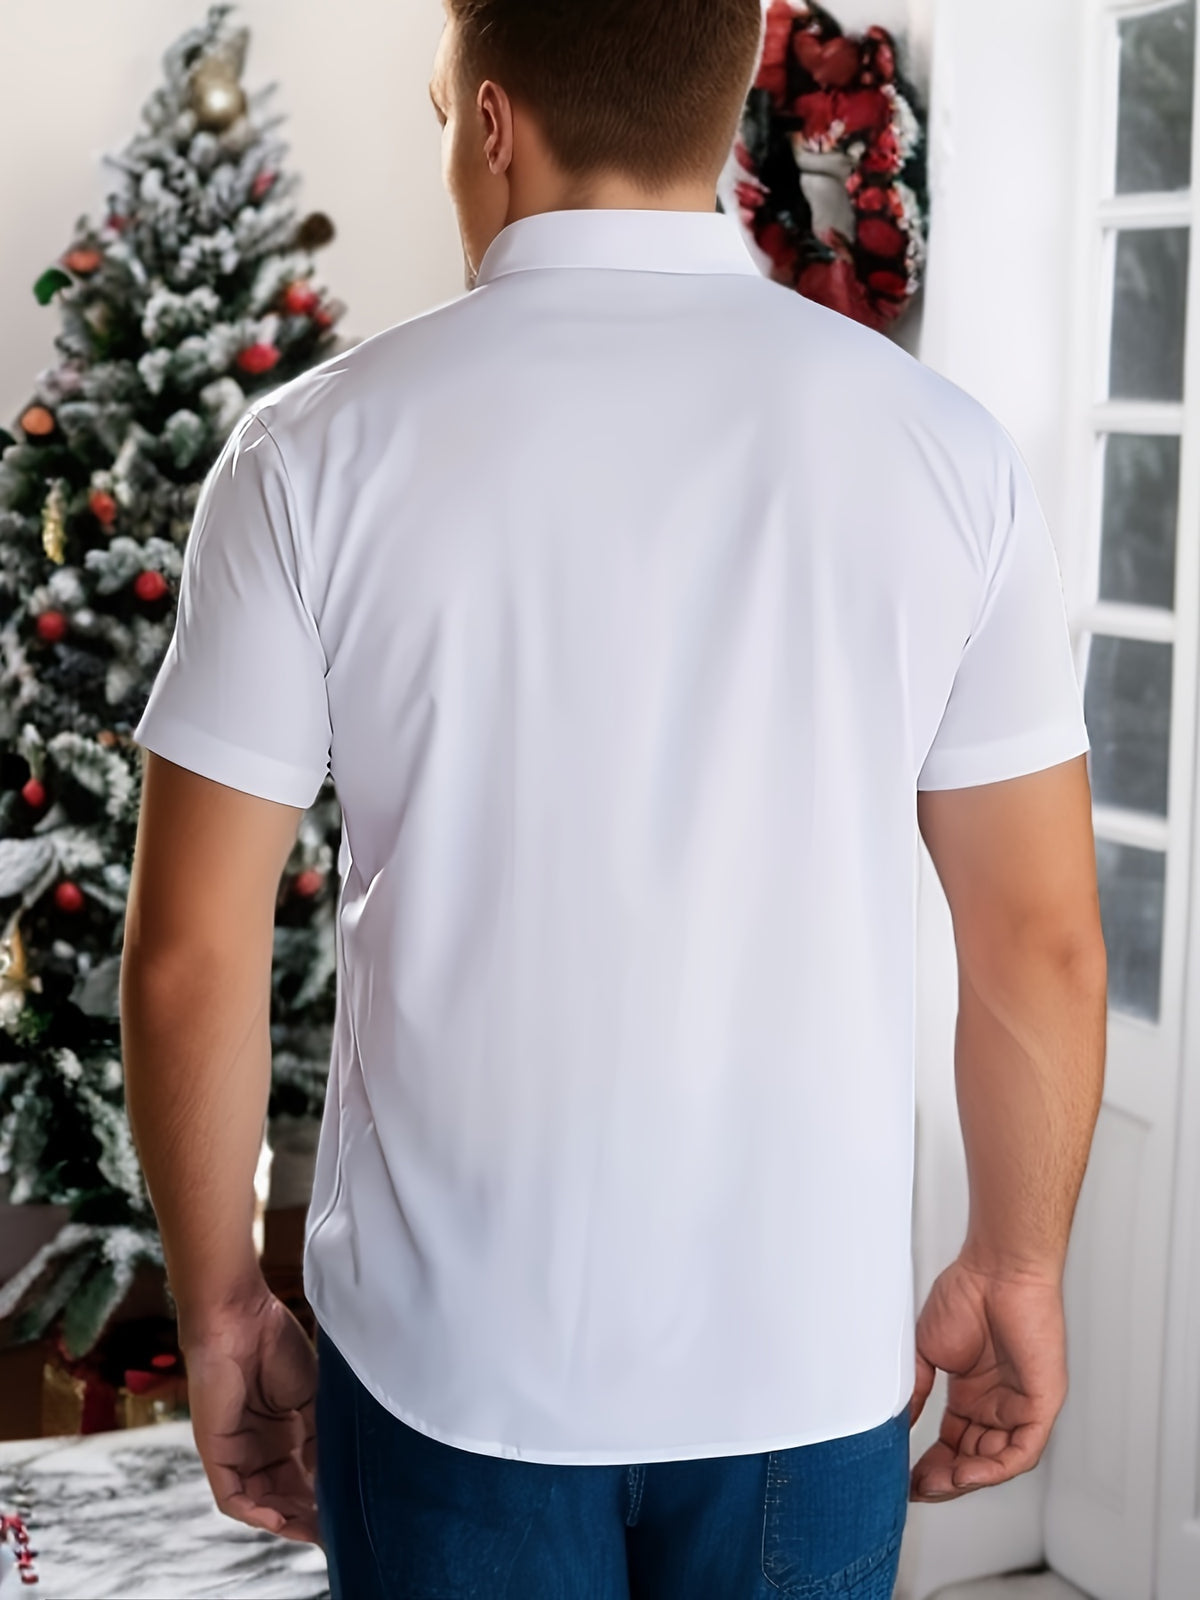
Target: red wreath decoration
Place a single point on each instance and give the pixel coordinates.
(819, 90)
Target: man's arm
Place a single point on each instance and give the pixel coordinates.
(1017, 862)
(195, 1009)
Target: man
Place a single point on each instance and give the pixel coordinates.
(643, 612)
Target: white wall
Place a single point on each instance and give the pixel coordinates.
(1006, 85)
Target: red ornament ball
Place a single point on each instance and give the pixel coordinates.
(37, 422)
(256, 358)
(300, 298)
(103, 507)
(262, 185)
(51, 626)
(82, 261)
(308, 882)
(68, 896)
(34, 794)
(150, 585)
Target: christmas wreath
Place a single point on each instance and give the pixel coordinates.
(821, 94)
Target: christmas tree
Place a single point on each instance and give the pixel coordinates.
(194, 292)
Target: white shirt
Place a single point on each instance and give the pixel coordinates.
(630, 597)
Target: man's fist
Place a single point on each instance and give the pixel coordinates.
(1002, 1342)
(252, 1378)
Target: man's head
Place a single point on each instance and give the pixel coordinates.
(548, 104)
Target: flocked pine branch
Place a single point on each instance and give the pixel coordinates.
(194, 291)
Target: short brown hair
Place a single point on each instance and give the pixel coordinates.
(652, 89)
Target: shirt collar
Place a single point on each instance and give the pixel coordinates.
(609, 236)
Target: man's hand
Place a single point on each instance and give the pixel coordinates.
(252, 1377)
(1002, 1342)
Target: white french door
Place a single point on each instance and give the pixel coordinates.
(1122, 1512)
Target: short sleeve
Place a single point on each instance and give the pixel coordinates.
(1015, 704)
(240, 695)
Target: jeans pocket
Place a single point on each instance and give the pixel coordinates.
(834, 1515)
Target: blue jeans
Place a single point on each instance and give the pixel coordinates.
(406, 1517)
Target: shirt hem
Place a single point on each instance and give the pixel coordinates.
(614, 1456)
(249, 771)
(1003, 759)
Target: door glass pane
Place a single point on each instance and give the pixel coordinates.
(1131, 909)
(1127, 703)
(1141, 508)
(1154, 109)
(1149, 290)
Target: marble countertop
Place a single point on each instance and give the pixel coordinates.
(129, 1516)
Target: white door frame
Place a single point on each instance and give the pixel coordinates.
(1179, 1508)
(1108, 1499)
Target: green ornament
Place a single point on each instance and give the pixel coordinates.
(53, 279)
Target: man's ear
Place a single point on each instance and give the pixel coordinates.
(496, 109)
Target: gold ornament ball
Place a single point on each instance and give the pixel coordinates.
(216, 95)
